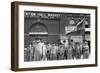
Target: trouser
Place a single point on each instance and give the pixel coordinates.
(53, 57)
(85, 54)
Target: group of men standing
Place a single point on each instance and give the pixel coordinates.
(39, 50)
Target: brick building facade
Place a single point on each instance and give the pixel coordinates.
(51, 26)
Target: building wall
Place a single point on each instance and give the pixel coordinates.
(54, 28)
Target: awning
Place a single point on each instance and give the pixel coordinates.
(38, 33)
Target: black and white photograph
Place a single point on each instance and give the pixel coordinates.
(53, 36)
(50, 36)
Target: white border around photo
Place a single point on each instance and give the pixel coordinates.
(34, 64)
